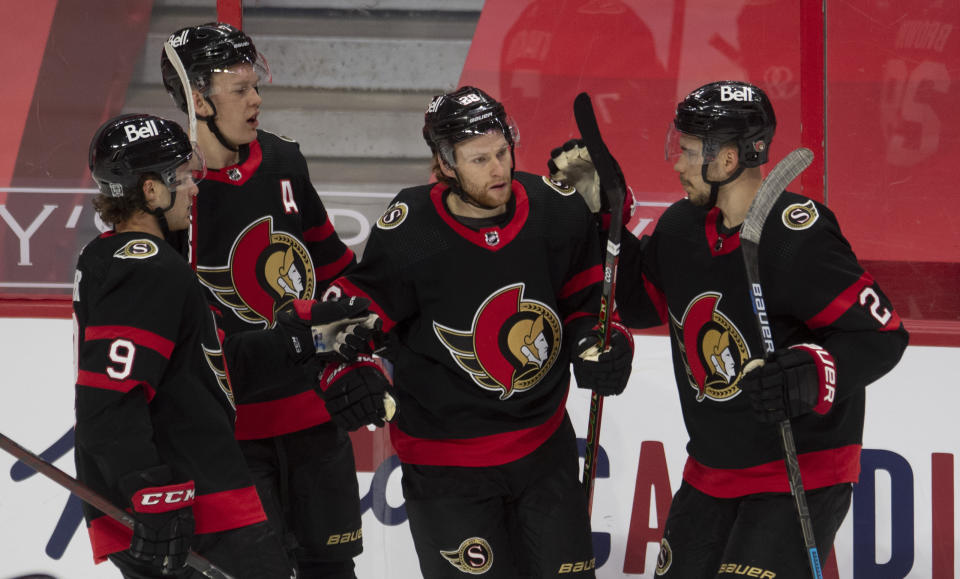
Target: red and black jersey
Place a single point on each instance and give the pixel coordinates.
(152, 386)
(480, 317)
(263, 239)
(690, 275)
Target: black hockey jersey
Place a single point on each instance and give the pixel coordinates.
(152, 387)
(263, 239)
(481, 363)
(691, 276)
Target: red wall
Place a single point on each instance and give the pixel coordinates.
(886, 165)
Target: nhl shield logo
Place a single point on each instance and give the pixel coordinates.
(712, 348)
(492, 238)
(512, 344)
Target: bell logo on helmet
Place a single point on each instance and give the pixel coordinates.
(734, 93)
(435, 104)
(178, 40)
(135, 133)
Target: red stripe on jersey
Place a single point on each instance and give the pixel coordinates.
(320, 232)
(657, 298)
(216, 512)
(719, 244)
(846, 300)
(491, 450)
(105, 382)
(349, 289)
(246, 169)
(582, 280)
(479, 238)
(212, 513)
(335, 268)
(139, 337)
(278, 417)
(107, 536)
(820, 468)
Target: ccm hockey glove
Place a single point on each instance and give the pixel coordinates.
(354, 392)
(335, 330)
(608, 373)
(792, 382)
(163, 511)
(570, 164)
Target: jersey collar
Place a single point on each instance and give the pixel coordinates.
(491, 238)
(241, 172)
(719, 243)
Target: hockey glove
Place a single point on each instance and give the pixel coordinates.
(570, 165)
(354, 392)
(163, 511)
(336, 330)
(791, 382)
(605, 373)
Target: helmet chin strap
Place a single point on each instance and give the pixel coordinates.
(715, 185)
(161, 214)
(211, 121)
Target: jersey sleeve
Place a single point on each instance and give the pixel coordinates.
(821, 282)
(379, 278)
(640, 300)
(128, 336)
(331, 257)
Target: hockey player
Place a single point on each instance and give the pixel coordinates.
(489, 283)
(263, 239)
(835, 332)
(154, 403)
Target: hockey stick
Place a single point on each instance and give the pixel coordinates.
(611, 181)
(91, 497)
(187, 90)
(771, 187)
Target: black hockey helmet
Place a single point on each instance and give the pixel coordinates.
(728, 112)
(459, 115)
(203, 50)
(129, 146)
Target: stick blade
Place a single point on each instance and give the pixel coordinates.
(773, 185)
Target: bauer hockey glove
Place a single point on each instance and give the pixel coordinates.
(163, 511)
(335, 330)
(570, 164)
(607, 375)
(792, 382)
(354, 392)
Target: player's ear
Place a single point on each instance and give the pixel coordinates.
(729, 159)
(151, 193)
(200, 104)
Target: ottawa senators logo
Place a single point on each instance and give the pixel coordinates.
(266, 270)
(218, 365)
(664, 557)
(137, 249)
(512, 345)
(800, 215)
(473, 556)
(712, 349)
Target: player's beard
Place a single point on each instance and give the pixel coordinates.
(486, 198)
